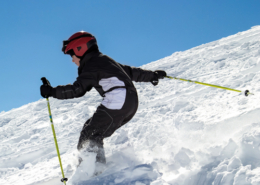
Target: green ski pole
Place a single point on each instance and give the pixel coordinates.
(211, 85)
(46, 82)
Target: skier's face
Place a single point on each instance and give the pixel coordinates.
(75, 60)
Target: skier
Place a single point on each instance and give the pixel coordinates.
(112, 80)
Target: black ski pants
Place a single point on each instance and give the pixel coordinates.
(106, 121)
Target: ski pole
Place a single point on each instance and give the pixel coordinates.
(211, 85)
(45, 82)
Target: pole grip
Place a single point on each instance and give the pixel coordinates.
(45, 81)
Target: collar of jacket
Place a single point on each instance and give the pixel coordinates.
(87, 58)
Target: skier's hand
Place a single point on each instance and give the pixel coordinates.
(161, 74)
(158, 74)
(46, 90)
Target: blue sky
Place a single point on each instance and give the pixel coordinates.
(133, 32)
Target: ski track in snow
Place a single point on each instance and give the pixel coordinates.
(182, 134)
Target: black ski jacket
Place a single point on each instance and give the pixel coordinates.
(94, 67)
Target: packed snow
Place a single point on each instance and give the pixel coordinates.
(182, 133)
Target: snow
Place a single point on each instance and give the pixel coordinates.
(182, 133)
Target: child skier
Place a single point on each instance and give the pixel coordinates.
(112, 80)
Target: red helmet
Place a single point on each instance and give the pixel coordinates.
(79, 43)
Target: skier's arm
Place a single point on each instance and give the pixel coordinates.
(138, 74)
(77, 89)
(142, 75)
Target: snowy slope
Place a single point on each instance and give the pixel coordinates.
(182, 134)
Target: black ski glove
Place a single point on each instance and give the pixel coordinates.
(158, 74)
(46, 90)
(161, 74)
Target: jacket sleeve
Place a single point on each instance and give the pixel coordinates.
(138, 74)
(79, 88)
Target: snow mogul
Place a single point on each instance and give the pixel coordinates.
(112, 80)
